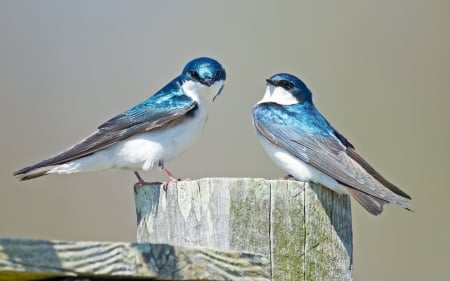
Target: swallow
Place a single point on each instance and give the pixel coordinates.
(300, 141)
(148, 134)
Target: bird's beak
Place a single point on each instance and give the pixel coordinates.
(208, 82)
(218, 93)
(271, 82)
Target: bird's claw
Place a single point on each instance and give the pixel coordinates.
(140, 182)
(165, 184)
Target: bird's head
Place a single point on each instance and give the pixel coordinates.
(286, 89)
(204, 76)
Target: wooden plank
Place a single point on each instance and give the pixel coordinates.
(24, 259)
(288, 230)
(304, 230)
(207, 213)
(328, 241)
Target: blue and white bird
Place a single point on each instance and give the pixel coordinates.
(301, 142)
(148, 134)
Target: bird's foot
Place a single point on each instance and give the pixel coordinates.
(288, 177)
(140, 182)
(165, 184)
(172, 178)
(168, 173)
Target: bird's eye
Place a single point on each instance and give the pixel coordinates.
(194, 74)
(286, 84)
(217, 75)
(289, 85)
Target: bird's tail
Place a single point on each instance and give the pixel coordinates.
(32, 172)
(372, 204)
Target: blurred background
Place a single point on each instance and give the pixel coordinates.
(379, 71)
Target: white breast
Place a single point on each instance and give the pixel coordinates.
(297, 168)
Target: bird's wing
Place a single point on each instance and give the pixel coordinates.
(325, 152)
(159, 111)
(355, 156)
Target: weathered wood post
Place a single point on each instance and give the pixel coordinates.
(304, 230)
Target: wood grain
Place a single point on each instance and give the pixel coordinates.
(24, 259)
(305, 230)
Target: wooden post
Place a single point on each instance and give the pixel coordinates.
(305, 230)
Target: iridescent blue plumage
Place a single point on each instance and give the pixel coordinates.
(171, 100)
(146, 135)
(166, 104)
(204, 70)
(303, 117)
(303, 143)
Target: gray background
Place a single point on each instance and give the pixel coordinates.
(379, 70)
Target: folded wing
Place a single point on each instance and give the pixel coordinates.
(152, 114)
(331, 154)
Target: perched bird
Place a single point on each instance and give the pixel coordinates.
(302, 143)
(148, 134)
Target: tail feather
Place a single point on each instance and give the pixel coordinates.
(372, 204)
(31, 173)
